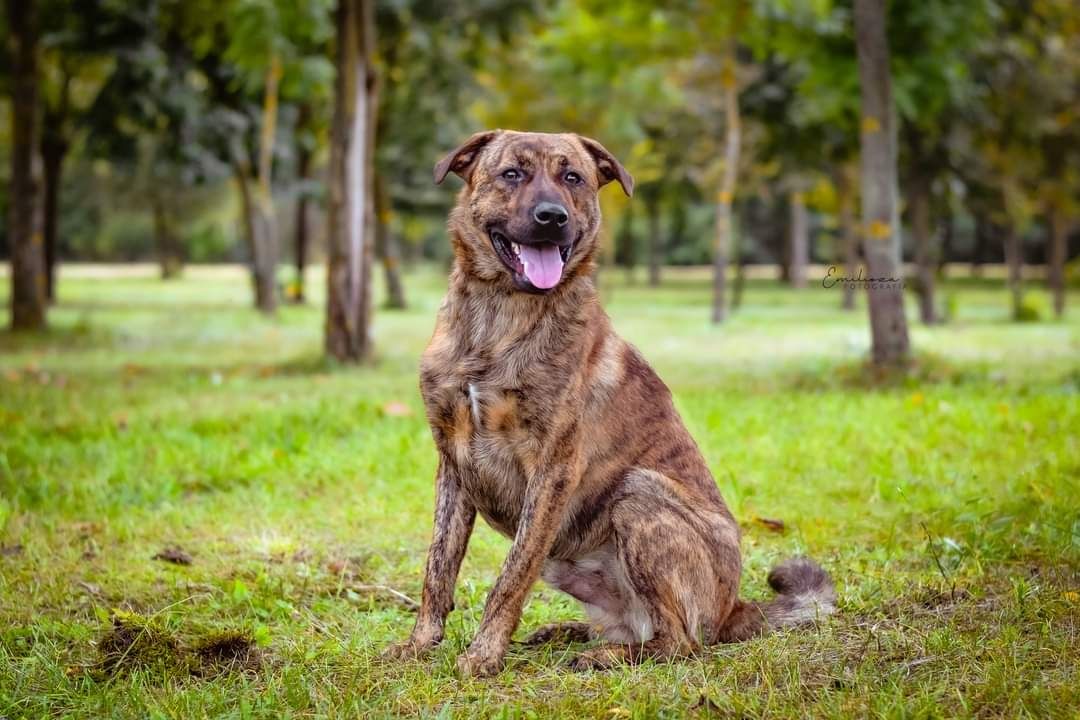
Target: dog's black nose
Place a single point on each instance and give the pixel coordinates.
(546, 213)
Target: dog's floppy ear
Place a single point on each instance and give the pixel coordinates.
(461, 160)
(609, 168)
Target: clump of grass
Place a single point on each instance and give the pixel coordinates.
(134, 641)
(227, 651)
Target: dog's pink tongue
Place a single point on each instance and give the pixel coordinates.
(543, 264)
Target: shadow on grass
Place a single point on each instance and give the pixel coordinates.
(829, 375)
(81, 335)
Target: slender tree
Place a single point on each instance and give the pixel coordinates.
(303, 143)
(28, 299)
(726, 195)
(919, 208)
(880, 217)
(351, 213)
(849, 236)
(1057, 231)
(54, 147)
(800, 241)
(654, 240)
(387, 248)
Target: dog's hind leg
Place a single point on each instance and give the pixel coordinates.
(677, 564)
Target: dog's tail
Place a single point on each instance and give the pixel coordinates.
(804, 594)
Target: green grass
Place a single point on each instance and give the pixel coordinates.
(945, 502)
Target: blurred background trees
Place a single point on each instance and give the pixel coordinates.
(212, 131)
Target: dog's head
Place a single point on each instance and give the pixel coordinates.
(528, 216)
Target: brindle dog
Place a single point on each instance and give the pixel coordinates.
(563, 438)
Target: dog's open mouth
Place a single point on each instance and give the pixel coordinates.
(536, 266)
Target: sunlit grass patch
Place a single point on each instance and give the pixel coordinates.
(944, 500)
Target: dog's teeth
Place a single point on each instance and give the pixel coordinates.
(516, 248)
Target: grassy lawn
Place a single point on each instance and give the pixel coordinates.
(157, 416)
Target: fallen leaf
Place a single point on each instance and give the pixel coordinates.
(348, 567)
(878, 230)
(131, 369)
(705, 703)
(395, 408)
(396, 595)
(773, 524)
(174, 555)
(90, 588)
(86, 528)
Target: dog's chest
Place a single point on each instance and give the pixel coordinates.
(484, 427)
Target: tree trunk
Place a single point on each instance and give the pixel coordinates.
(625, 251)
(53, 150)
(652, 208)
(1014, 258)
(948, 240)
(28, 301)
(170, 254)
(259, 205)
(732, 141)
(388, 249)
(1055, 265)
(880, 220)
(925, 260)
(849, 236)
(302, 231)
(983, 229)
(303, 220)
(258, 230)
(739, 252)
(800, 241)
(677, 234)
(351, 211)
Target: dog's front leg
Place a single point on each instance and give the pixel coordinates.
(545, 502)
(454, 518)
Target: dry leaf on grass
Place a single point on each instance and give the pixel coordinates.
(10, 550)
(174, 555)
(395, 408)
(774, 524)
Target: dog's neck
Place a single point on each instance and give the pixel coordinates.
(488, 314)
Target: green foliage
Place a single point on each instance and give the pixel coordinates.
(1031, 309)
(209, 240)
(124, 235)
(169, 94)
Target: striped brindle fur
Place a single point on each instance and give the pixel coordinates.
(559, 434)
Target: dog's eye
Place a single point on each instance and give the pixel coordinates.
(573, 178)
(511, 174)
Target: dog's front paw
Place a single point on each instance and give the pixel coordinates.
(472, 663)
